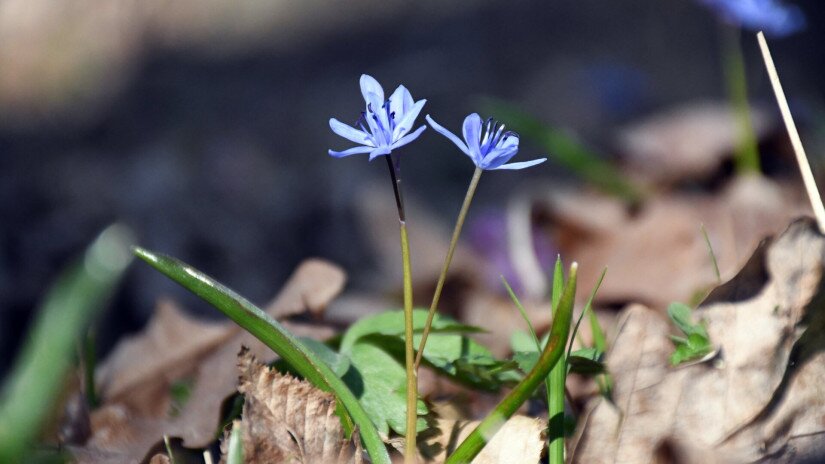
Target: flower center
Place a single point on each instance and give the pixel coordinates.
(493, 136)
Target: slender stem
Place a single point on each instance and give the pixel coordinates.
(412, 378)
(462, 215)
(796, 142)
(747, 152)
(395, 175)
(409, 353)
(550, 357)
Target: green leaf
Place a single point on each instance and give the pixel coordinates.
(392, 323)
(29, 394)
(696, 346)
(273, 334)
(526, 360)
(379, 382)
(584, 365)
(448, 350)
(680, 314)
(337, 362)
(521, 341)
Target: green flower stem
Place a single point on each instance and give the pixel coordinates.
(409, 353)
(747, 151)
(549, 358)
(412, 378)
(462, 215)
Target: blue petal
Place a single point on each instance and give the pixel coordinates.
(350, 133)
(370, 85)
(380, 151)
(446, 133)
(408, 138)
(472, 136)
(351, 151)
(497, 157)
(521, 165)
(407, 120)
(400, 102)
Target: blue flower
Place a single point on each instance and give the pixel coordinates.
(489, 149)
(771, 16)
(388, 123)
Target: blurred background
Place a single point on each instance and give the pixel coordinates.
(203, 124)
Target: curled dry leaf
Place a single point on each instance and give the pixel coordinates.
(519, 441)
(136, 380)
(659, 255)
(760, 399)
(287, 420)
(686, 143)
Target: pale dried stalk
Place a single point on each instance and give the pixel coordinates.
(801, 158)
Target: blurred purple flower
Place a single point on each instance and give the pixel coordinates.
(487, 235)
(771, 16)
(488, 150)
(387, 122)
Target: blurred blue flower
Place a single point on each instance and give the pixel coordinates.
(387, 122)
(488, 150)
(771, 16)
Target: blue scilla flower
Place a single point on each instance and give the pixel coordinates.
(772, 16)
(384, 126)
(489, 147)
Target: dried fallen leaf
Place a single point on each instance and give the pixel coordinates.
(518, 442)
(135, 381)
(761, 399)
(685, 143)
(287, 420)
(659, 255)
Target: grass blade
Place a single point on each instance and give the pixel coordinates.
(29, 395)
(273, 335)
(550, 357)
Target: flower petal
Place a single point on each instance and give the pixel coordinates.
(497, 157)
(350, 133)
(522, 164)
(379, 152)
(400, 102)
(472, 136)
(446, 133)
(351, 151)
(408, 138)
(370, 85)
(407, 120)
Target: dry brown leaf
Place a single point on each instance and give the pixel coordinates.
(685, 143)
(140, 370)
(287, 420)
(761, 399)
(135, 380)
(518, 442)
(659, 255)
(310, 288)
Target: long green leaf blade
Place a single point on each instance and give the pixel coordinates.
(262, 326)
(29, 395)
(550, 356)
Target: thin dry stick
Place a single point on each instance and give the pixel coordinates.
(801, 158)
